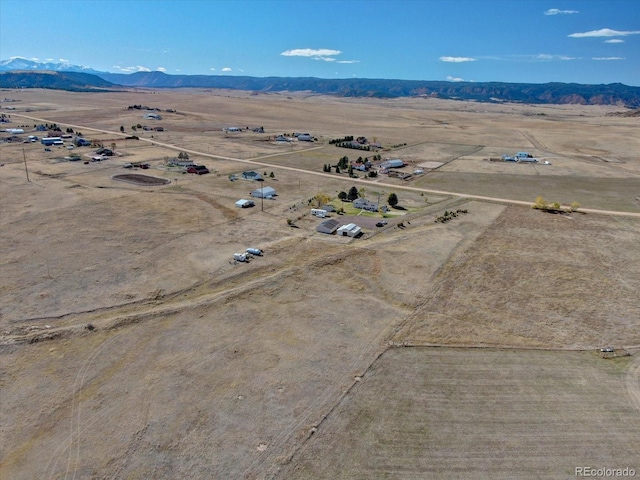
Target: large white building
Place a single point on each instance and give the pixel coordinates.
(349, 230)
(264, 192)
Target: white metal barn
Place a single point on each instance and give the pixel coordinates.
(349, 230)
(264, 192)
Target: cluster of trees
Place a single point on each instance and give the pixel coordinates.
(319, 200)
(54, 127)
(449, 215)
(355, 146)
(271, 175)
(348, 138)
(542, 204)
(183, 156)
(350, 196)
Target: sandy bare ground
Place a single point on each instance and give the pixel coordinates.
(131, 347)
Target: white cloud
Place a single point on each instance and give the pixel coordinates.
(226, 69)
(132, 69)
(605, 32)
(614, 40)
(608, 58)
(455, 79)
(555, 11)
(325, 59)
(546, 56)
(212, 69)
(161, 69)
(348, 61)
(310, 52)
(63, 60)
(457, 59)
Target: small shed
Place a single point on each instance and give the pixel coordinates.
(349, 230)
(328, 226)
(264, 192)
(242, 203)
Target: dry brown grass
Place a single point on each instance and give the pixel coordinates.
(198, 368)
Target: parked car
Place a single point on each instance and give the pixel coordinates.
(381, 224)
(199, 169)
(145, 166)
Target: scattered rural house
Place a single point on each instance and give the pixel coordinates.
(328, 208)
(242, 203)
(328, 226)
(349, 230)
(232, 129)
(81, 142)
(365, 204)
(520, 157)
(159, 129)
(305, 137)
(282, 138)
(15, 131)
(105, 151)
(178, 162)
(258, 130)
(251, 175)
(152, 116)
(264, 192)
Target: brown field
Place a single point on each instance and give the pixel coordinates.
(131, 346)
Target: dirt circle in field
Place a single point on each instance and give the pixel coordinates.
(143, 180)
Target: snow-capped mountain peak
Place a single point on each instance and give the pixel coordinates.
(21, 63)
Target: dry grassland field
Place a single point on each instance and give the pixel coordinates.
(133, 346)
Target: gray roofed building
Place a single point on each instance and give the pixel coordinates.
(328, 226)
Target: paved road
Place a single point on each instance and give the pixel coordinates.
(257, 162)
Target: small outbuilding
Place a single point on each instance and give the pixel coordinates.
(242, 203)
(349, 230)
(264, 192)
(328, 226)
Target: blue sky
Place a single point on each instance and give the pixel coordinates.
(535, 41)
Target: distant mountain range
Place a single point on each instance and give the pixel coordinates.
(19, 63)
(22, 73)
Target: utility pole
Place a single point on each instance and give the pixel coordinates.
(25, 164)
